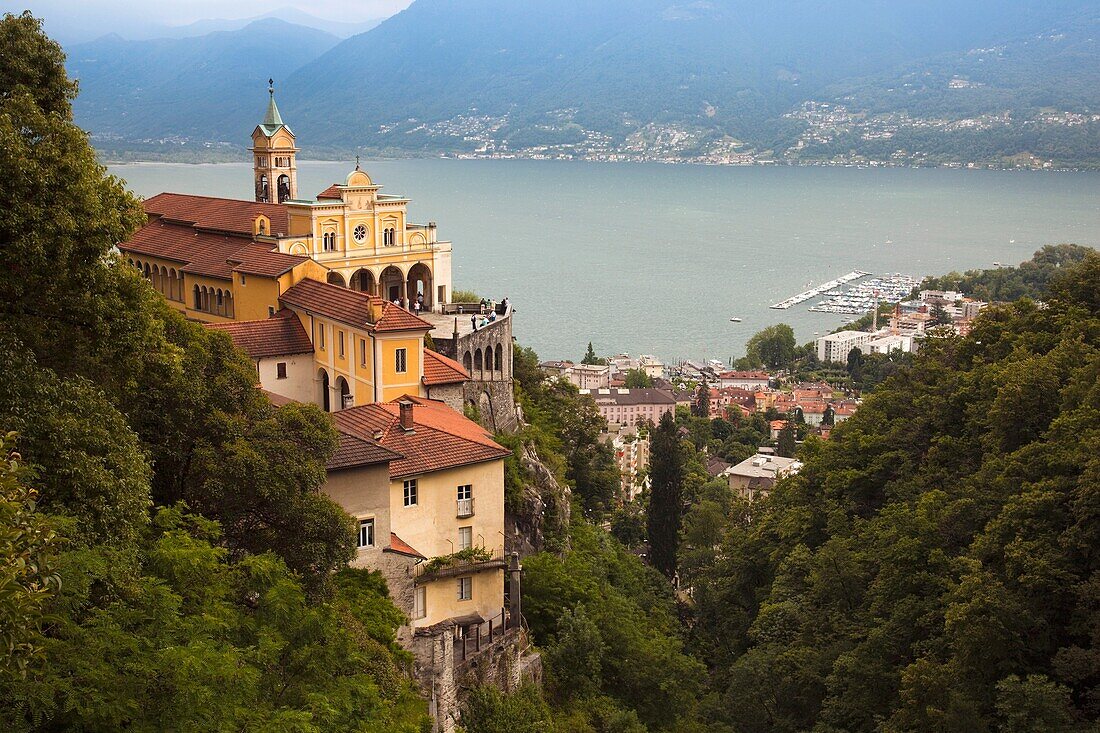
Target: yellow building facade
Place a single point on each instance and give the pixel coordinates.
(222, 261)
(362, 236)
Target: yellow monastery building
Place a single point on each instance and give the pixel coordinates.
(323, 295)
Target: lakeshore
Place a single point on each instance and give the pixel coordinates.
(593, 252)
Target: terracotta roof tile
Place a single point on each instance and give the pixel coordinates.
(354, 451)
(261, 259)
(401, 547)
(439, 369)
(441, 438)
(332, 192)
(332, 301)
(280, 335)
(208, 253)
(396, 318)
(277, 399)
(207, 212)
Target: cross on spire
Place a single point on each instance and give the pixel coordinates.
(272, 119)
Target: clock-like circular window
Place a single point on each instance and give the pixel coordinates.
(360, 233)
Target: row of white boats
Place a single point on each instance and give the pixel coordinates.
(820, 289)
(866, 296)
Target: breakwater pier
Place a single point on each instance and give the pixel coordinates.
(814, 292)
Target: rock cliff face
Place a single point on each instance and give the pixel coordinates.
(543, 516)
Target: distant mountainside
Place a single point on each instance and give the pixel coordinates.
(718, 81)
(72, 23)
(201, 90)
(340, 29)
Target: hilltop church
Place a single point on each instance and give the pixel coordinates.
(332, 297)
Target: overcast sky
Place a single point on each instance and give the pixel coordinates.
(75, 20)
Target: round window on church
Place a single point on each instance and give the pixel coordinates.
(360, 233)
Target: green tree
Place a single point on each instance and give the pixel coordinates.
(196, 641)
(28, 542)
(666, 496)
(786, 445)
(591, 358)
(628, 524)
(940, 317)
(855, 365)
(700, 406)
(773, 347)
(637, 379)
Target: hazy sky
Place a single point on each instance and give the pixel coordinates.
(71, 20)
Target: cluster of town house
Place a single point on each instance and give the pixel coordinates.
(629, 412)
(333, 297)
(910, 322)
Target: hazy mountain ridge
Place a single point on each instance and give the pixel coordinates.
(649, 78)
(207, 88)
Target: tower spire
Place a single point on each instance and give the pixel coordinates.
(272, 118)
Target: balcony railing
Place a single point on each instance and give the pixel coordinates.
(465, 508)
(428, 571)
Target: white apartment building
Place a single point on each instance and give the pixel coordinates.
(886, 344)
(589, 376)
(835, 347)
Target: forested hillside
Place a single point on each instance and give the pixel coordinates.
(933, 565)
(166, 559)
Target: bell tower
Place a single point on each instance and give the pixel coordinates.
(274, 164)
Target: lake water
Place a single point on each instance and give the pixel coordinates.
(656, 259)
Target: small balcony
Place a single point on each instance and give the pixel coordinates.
(465, 508)
(463, 562)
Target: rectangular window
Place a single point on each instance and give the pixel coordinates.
(366, 533)
(242, 278)
(341, 334)
(270, 311)
(465, 537)
(465, 503)
(321, 336)
(401, 361)
(280, 370)
(362, 352)
(420, 602)
(465, 588)
(410, 492)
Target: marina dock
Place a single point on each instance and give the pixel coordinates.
(814, 292)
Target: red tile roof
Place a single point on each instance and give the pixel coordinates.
(332, 192)
(439, 369)
(396, 318)
(354, 452)
(280, 335)
(277, 399)
(441, 438)
(224, 215)
(401, 547)
(208, 253)
(332, 301)
(350, 306)
(261, 259)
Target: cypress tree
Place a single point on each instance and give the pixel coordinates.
(787, 445)
(666, 471)
(701, 408)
